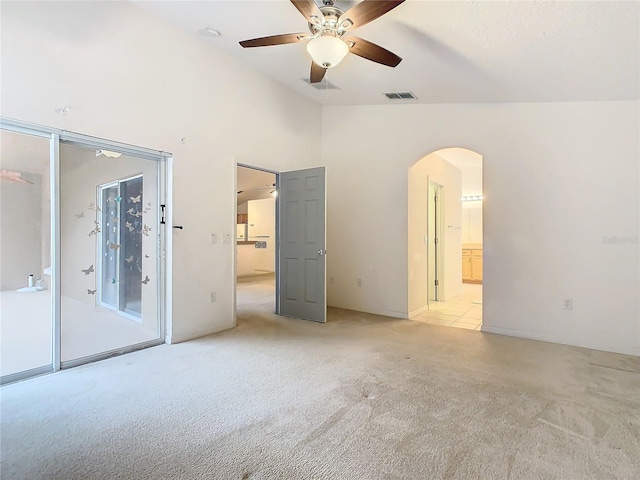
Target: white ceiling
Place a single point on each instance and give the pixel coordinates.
(482, 51)
(254, 184)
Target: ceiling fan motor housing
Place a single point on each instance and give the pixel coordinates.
(328, 25)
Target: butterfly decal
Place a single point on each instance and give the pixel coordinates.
(91, 292)
(110, 199)
(113, 280)
(135, 199)
(113, 246)
(95, 231)
(94, 207)
(146, 256)
(87, 271)
(145, 230)
(146, 280)
(129, 259)
(129, 225)
(79, 215)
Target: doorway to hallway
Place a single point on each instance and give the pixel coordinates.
(284, 231)
(256, 243)
(445, 239)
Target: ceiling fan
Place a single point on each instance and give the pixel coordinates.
(330, 39)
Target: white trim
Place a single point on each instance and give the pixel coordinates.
(54, 160)
(172, 339)
(567, 342)
(234, 261)
(418, 311)
(81, 139)
(25, 374)
(111, 353)
(166, 255)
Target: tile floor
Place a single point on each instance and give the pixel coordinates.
(463, 311)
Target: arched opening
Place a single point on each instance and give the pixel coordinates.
(445, 238)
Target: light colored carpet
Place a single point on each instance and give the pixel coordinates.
(362, 397)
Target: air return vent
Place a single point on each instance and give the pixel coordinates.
(400, 96)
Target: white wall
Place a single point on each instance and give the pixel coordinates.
(21, 232)
(433, 168)
(472, 223)
(471, 179)
(558, 178)
(129, 77)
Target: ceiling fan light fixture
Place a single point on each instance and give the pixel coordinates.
(327, 51)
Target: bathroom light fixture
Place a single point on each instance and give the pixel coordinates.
(327, 51)
(472, 198)
(108, 153)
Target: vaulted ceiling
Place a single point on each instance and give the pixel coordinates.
(482, 51)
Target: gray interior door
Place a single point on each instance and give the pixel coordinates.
(301, 279)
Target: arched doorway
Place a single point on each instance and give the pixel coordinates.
(445, 207)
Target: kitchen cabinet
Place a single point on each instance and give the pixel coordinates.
(472, 265)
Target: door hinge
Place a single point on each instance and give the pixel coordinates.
(435, 240)
(163, 218)
(437, 283)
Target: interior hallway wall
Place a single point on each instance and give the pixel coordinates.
(130, 77)
(561, 212)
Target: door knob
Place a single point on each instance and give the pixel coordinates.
(322, 252)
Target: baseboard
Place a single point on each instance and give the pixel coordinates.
(533, 336)
(257, 273)
(419, 311)
(384, 313)
(173, 339)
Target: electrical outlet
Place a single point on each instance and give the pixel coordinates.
(359, 282)
(212, 297)
(568, 303)
(213, 239)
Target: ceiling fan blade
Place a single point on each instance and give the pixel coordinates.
(309, 9)
(371, 51)
(367, 11)
(317, 73)
(274, 40)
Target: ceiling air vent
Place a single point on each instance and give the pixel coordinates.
(323, 85)
(400, 96)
